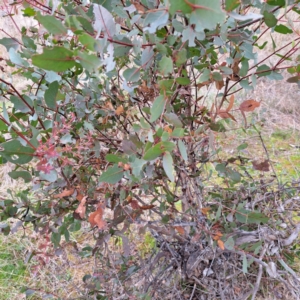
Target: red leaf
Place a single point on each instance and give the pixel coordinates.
(221, 244)
(80, 210)
(249, 105)
(231, 102)
(261, 166)
(226, 115)
(145, 207)
(134, 204)
(180, 229)
(44, 166)
(65, 193)
(96, 218)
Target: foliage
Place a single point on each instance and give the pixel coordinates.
(118, 121)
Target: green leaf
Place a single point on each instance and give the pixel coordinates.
(122, 50)
(19, 104)
(29, 12)
(182, 6)
(75, 226)
(51, 94)
(157, 108)
(218, 213)
(183, 80)
(294, 79)
(57, 59)
(3, 126)
(23, 174)
(156, 20)
(182, 150)
(233, 175)
(178, 132)
(166, 65)
(55, 238)
(5, 113)
(132, 74)
(209, 16)
(153, 152)
(168, 166)
(257, 218)
(166, 85)
(52, 24)
(270, 19)
(245, 68)
(104, 21)
(115, 158)
(283, 29)
(87, 41)
(242, 146)
(261, 71)
(112, 175)
(219, 127)
(89, 61)
(9, 43)
(181, 57)
(167, 146)
(51, 176)
(86, 24)
(230, 5)
(276, 2)
(16, 153)
(217, 76)
(29, 43)
(229, 244)
(172, 119)
(250, 217)
(137, 166)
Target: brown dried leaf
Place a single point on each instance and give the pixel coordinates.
(200, 85)
(217, 235)
(143, 87)
(226, 115)
(80, 210)
(249, 105)
(65, 193)
(234, 77)
(119, 110)
(219, 84)
(145, 207)
(139, 7)
(231, 102)
(128, 199)
(126, 167)
(109, 106)
(205, 210)
(168, 129)
(79, 197)
(261, 166)
(235, 67)
(221, 244)
(134, 204)
(96, 218)
(180, 229)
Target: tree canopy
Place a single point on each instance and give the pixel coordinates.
(117, 123)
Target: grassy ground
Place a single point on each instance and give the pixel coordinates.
(13, 271)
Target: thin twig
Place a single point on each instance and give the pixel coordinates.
(260, 270)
